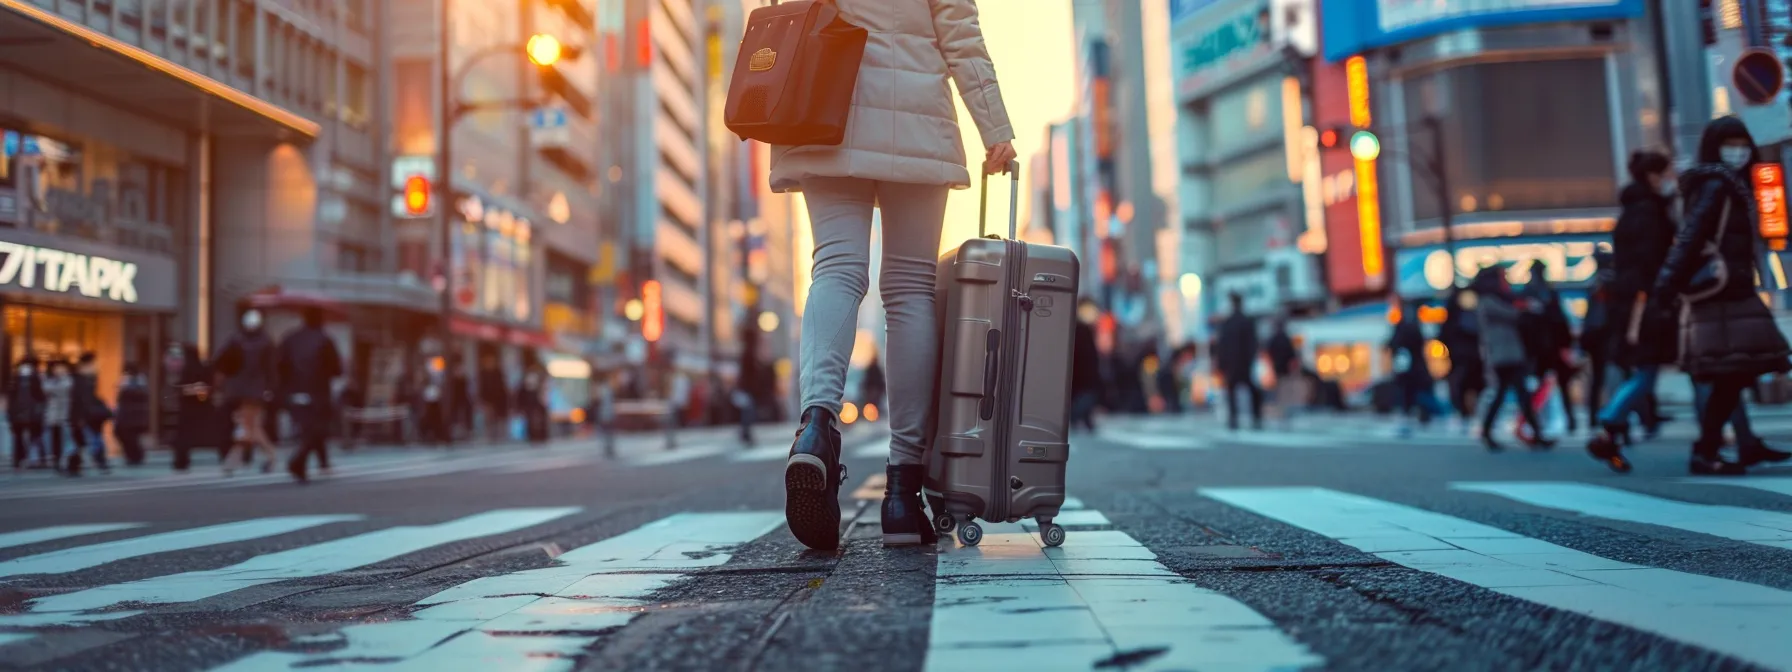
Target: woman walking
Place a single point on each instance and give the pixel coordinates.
(59, 390)
(1640, 340)
(1728, 337)
(247, 365)
(1502, 345)
(903, 155)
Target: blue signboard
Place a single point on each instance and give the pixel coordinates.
(1425, 271)
(1182, 9)
(1352, 27)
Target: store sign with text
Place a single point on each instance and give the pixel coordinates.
(1358, 26)
(1225, 36)
(54, 270)
(1568, 262)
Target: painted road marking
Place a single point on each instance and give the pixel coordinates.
(85, 557)
(44, 534)
(1742, 620)
(1768, 528)
(1011, 604)
(306, 561)
(1150, 441)
(1774, 484)
(523, 621)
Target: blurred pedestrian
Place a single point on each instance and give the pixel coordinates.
(1498, 310)
(906, 170)
(59, 389)
(88, 415)
(1549, 337)
(247, 366)
(746, 385)
(198, 423)
(1236, 354)
(1086, 383)
(1730, 338)
(25, 405)
(308, 366)
(1284, 362)
(532, 401)
(494, 398)
(461, 407)
(871, 386)
(1412, 372)
(1596, 334)
(132, 421)
(1461, 336)
(1642, 333)
(433, 399)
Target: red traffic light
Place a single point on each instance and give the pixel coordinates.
(416, 195)
(1328, 138)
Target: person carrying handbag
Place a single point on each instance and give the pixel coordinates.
(1728, 337)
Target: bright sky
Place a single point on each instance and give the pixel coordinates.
(1031, 44)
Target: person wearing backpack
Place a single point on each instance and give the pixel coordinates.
(1729, 336)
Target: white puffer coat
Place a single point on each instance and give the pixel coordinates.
(903, 126)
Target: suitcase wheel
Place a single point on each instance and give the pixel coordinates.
(970, 533)
(1052, 534)
(943, 522)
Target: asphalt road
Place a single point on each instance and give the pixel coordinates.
(1332, 545)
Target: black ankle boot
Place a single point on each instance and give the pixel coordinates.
(904, 519)
(1707, 462)
(812, 477)
(1755, 451)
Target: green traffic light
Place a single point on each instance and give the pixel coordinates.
(1364, 146)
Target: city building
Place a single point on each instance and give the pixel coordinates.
(167, 163)
(1242, 202)
(520, 200)
(1466, 173)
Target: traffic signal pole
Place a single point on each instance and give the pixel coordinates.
(445, 178)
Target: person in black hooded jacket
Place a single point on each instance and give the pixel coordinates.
(1729, 337)
(1639, 342)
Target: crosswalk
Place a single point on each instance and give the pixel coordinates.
(863, 442)
(1103, 600)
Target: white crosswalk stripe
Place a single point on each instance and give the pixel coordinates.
(1696, 609)
(1010, 603)
(43, 534)
(84, 557)
(315, 560)
(1769, 528)
(592, 588)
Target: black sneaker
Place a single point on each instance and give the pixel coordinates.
(905, 521)
(812, 477)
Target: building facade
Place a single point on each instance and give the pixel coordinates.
(165, 164)
(1243, 207)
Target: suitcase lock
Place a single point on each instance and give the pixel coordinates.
(1026, 301)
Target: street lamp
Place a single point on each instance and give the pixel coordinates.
(541, 49)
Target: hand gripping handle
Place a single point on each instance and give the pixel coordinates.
(1013, 203)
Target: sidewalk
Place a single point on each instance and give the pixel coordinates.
(387, 462)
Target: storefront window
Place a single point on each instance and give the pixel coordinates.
(1549, 148)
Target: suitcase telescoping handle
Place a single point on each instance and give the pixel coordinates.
(1013, 202)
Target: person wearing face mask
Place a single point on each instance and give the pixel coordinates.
(1728, 336)
(88, 415)
(1639, 341)
(25, 412)
(247, 365)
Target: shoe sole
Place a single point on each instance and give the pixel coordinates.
(813, 515)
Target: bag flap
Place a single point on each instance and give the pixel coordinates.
(768, 50)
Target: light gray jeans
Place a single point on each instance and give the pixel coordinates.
(840, 216)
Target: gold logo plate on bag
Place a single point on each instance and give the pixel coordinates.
(762, 60)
